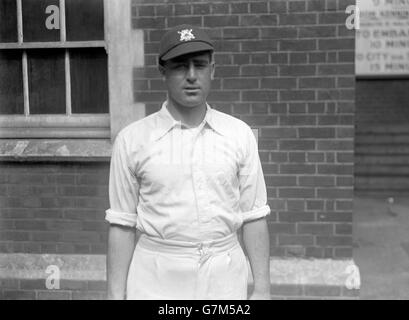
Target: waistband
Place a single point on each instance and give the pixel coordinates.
(186, 247)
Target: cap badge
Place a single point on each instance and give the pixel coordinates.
(186, 35)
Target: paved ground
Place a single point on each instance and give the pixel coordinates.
(381, 237)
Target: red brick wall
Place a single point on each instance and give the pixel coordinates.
(53, 208)
(287, 68)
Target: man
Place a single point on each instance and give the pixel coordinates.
(186, 179)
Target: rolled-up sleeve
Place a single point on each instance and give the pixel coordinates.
(253, 194)
(123, 187)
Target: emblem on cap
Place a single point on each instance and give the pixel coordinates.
(186, 35)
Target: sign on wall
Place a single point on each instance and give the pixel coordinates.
(382, 40)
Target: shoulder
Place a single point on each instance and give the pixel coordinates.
(231, 125)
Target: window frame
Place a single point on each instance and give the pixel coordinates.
(68, 125)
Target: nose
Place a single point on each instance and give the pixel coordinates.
(191, 73)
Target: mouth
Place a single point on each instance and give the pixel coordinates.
(191, 90)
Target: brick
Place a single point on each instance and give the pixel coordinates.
(317, 32)
(240, 58)
(334, 241)
(264, 144)
(315, 156)
(323, 291)
(344, 205)
(221, 21)
(219, 8)
(334, 193)
(345, 132)
(335, 120)
(183, 10)
(14, 236)
(298, 144)
(295, 120)
(314, 252)
(240, 33)
(258, 45)
(332, 18)
(278, 83)
(317, 181)
(317, 57)
(281, 228)
(336, 69)
(346, 82)
(224, 95)
(227, 71)
(297, 45)
(279, 157)
(45, 236)
(81, 237)
(297, 168)
(297, 251)
(297, 107)
(295, 216)
(280, 132)
(165, 10)
(9, 284)
(315, 228)
(88, 295)
(97, 285)
(288, 240)
(149, 23)
(298, 58)
(345, 216)
(279, 58)
(297, 6)
(258, 7)
(241, 7)
(342, 253)
(33, 284)
(316, 133)
(241, 108)
(346, 56)
(335, 144)
(281, 181)
(295, 19)
(278, 33)
(296, 193)
(18, 295)
(277, 6)
(317, 82)
(297, 70)
(286, 290)
(260, 71)
(297, 95)
(259, 95)
(53, 295)
(258, 20)
(259, 58)
(175, 21)
(146, 11)
(343, 228)
(277, 251)
(240, 83)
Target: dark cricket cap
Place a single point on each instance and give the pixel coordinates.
(183, 39)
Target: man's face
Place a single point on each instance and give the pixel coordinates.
(188, 78)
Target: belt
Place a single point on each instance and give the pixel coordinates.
(204, 249)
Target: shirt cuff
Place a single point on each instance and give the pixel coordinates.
(255, 213)
(121, 218)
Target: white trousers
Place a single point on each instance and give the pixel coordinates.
(176, 270)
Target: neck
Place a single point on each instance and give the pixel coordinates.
(189, 116)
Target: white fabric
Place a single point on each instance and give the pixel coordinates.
(168, 270)
(186, 184)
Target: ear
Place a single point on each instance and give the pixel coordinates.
(212, 71)
(161, 70)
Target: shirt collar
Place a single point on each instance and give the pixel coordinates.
(165, 121)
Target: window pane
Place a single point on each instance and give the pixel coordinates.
(89, 80)
(46, 80)
(8, 21)
(38, 25)
(84, 20)
(11, 83)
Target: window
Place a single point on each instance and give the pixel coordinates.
(53, 69)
